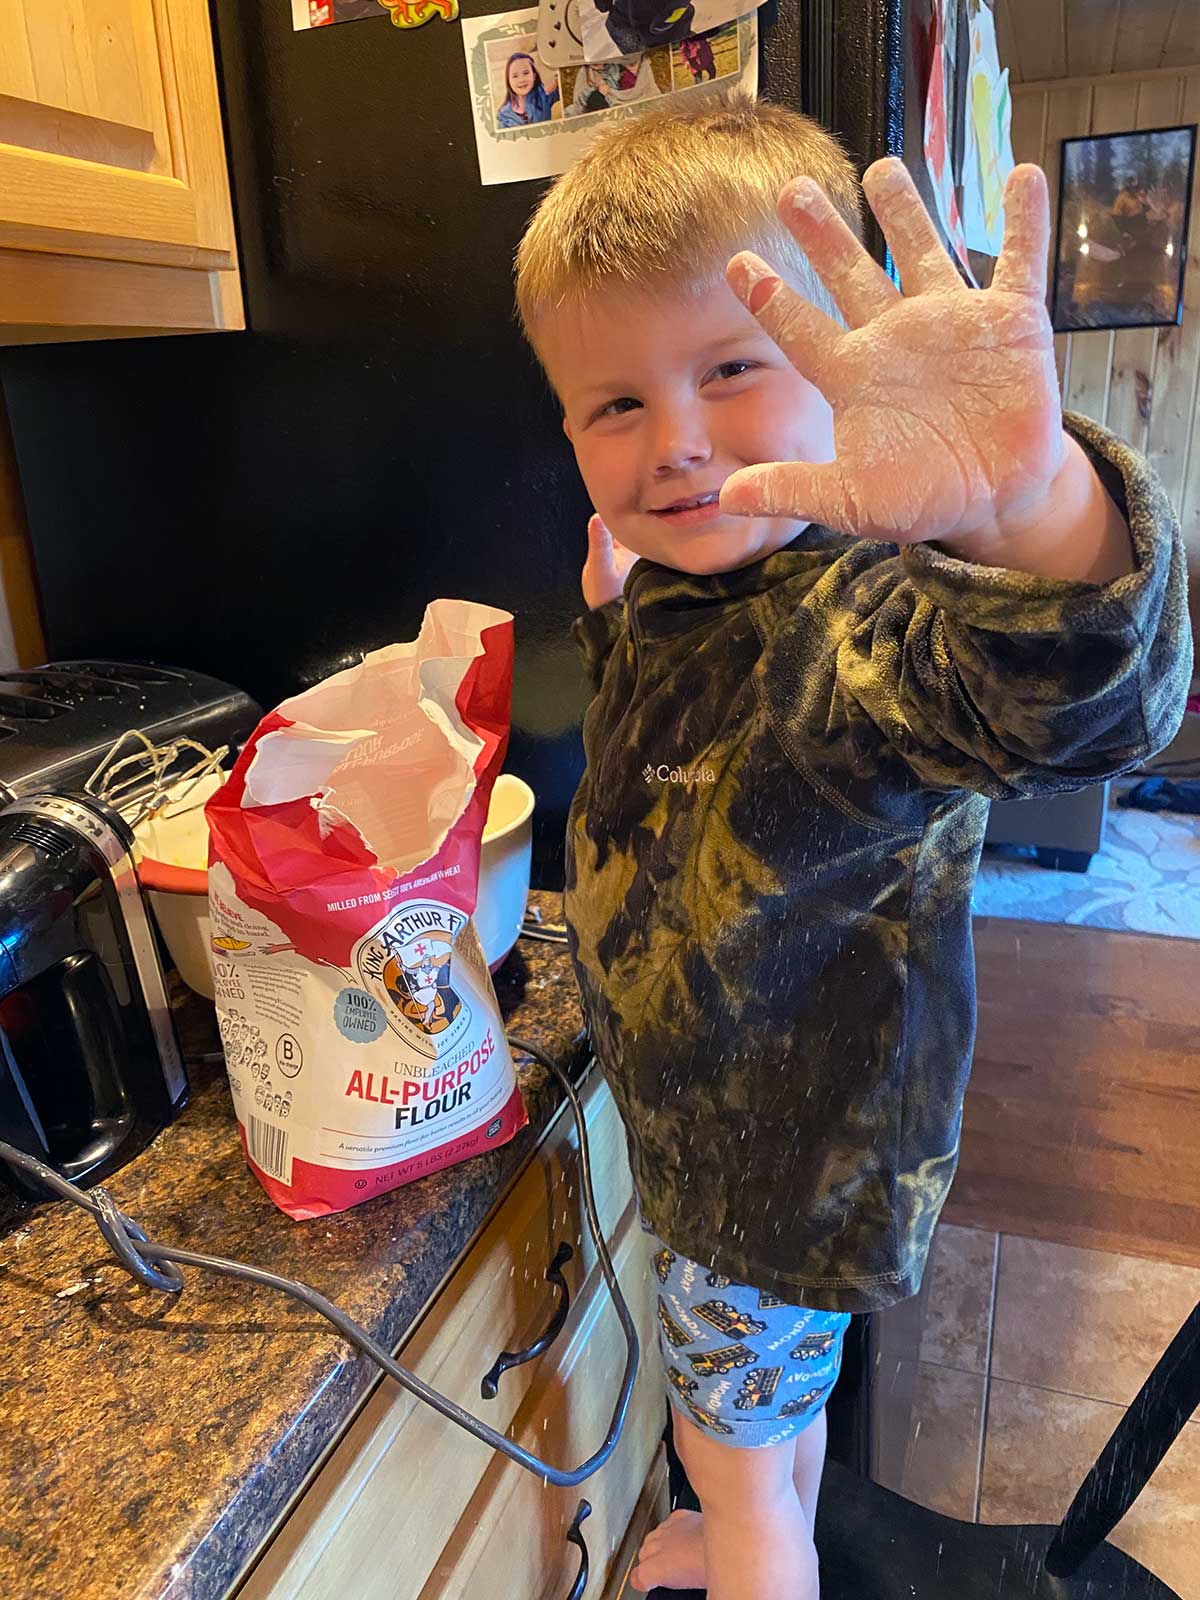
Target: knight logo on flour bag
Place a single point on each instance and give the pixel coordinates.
(362, 1037)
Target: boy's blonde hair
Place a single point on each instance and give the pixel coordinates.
(668, 197)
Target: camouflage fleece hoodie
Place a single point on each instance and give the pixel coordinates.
(771, 854)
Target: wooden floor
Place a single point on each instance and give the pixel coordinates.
(1082, 1122)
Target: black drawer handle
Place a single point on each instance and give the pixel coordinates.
(575, 1537)
(490, 1385)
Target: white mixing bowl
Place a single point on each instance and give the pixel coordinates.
(173, 859)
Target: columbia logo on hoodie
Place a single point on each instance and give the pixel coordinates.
(665, 774)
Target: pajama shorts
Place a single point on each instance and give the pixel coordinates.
(741, 1364)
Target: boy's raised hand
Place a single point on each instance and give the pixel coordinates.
(607, 566)
(947, 420)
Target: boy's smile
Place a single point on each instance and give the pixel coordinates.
(664, 396)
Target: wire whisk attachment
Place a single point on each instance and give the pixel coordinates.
(139, 778)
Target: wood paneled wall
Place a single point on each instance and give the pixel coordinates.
(1140, 382)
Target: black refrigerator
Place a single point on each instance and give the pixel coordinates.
(266, 505)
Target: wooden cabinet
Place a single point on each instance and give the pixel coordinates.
(114, 195)
(409, 1507)
(510, 1542)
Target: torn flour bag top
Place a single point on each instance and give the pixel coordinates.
(362, 1037)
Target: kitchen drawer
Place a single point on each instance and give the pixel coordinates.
(374, 1520)
(510, 1543)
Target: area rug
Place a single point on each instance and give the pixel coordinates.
(1146, 879)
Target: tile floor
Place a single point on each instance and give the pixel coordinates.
(1001, 1382)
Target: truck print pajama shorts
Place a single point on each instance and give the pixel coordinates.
(743, 1365)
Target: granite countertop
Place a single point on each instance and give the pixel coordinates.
(149, 1442)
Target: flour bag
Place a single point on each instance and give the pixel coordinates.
(362, 1037)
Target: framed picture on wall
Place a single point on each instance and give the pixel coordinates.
(1124, 202)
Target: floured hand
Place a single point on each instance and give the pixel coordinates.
(607, 566)
(947, 420)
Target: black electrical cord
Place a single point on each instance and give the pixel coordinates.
(543, 931)
(137, 1254)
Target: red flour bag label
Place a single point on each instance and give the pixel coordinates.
(362, 1037)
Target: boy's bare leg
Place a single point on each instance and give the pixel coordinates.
(672, 1554)
(754, 1538)
(810, 1464)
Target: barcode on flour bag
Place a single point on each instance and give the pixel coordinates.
(268, 1148)
(363, 1043)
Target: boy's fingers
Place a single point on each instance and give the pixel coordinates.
(608, 564)
(604, 550)
(859, 285)
(802, 490)
(807, 337)
(1021, 268)
(920, 256)
(600, 541)
(602, 571)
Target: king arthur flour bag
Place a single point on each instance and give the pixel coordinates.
(362, 1037)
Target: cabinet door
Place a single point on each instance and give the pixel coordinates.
(383, 1506)
(110, 132)
(510, 1543)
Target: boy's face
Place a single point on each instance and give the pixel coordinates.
(663, 398)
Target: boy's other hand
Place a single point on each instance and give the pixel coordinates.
(606, 568)
(947, 421)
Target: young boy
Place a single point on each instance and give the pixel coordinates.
(879, 584)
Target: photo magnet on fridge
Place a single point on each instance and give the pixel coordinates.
(571, 32)
(532, 119)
